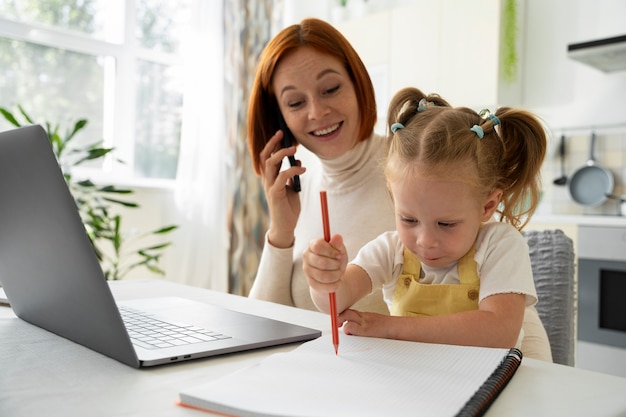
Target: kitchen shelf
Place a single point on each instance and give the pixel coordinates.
(580, 220)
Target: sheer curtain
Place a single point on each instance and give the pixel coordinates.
(201, 251)
(248, 28)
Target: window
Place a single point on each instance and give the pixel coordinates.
(116, 63)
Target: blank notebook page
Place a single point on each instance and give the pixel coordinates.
(369, 377)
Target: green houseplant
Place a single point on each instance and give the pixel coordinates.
(96, 205)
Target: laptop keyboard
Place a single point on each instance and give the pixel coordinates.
(149, 332)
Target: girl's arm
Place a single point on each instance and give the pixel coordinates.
(496, 323)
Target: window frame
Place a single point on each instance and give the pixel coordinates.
(120, 63)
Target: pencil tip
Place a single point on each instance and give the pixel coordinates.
(336, 350)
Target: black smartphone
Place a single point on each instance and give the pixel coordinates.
(287, 142)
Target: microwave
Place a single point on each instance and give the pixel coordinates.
(602, 285)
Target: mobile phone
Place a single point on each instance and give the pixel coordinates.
(286, 143)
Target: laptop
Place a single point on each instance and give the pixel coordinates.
(52, 277)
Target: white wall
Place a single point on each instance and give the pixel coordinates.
(564, 92)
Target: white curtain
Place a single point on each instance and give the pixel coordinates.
(202, 244)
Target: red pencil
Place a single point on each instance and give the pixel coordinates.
(331, 295)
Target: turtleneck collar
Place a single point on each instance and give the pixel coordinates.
(356, 166)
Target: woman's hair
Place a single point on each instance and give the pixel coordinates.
(429, 137)
(263, 107)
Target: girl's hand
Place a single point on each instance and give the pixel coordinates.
(358, 323)
(283, 202)
(324, 264)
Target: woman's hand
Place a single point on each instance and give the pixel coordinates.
(282, 200)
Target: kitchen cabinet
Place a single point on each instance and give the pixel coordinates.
(448, 47)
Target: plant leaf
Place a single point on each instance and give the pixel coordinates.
(165, 229)
(123, 203)
(9, 116)
(112, 189)
(155, 247)
(93, 153)
(77, 126)
(26, 116)
(86, 183)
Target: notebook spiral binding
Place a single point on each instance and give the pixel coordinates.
(493, 386)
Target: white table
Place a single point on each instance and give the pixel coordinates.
(43, 374)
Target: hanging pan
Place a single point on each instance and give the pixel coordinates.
(592, 184)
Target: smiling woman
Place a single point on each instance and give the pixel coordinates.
(311, 74)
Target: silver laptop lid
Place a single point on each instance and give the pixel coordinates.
(47, 264)
(53, 279)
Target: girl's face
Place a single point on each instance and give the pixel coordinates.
(317, 99)
(438, 220)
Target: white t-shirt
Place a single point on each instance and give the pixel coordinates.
(502, 260)
(503, 264)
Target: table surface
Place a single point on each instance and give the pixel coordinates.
(43, 374)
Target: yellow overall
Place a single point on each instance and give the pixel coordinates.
(414, 299)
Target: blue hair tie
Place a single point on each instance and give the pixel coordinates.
(486, 114)
(478, 130)
(494, 119)
(424, 104)
(396, 126)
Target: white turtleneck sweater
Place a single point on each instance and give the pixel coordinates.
(359, 209)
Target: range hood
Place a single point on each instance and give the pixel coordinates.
(607, 54)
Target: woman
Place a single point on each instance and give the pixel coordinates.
(311, 74)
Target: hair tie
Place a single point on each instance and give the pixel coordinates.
(494, 119)
(486, 114)
(478, 130)
(424, 104)
(396, 126)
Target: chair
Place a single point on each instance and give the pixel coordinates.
(552, 260)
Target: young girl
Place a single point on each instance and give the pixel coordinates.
(449, 273)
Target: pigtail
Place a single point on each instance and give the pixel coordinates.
(407, 103)
(402, 107)
(524, 140)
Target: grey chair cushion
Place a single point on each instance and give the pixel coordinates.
(553, 263)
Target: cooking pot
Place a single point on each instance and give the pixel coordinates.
(592, 184)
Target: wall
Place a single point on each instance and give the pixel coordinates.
(567, 93)
(575, 99)
(609, 153)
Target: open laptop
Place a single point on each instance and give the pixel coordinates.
(52, 278)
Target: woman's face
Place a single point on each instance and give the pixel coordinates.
(317, 99)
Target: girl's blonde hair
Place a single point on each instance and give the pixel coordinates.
(429, 137)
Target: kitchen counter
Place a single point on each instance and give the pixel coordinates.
(569, 223)
(579, 220)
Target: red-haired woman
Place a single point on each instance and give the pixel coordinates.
(311, 75)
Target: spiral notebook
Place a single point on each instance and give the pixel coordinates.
(369, 377)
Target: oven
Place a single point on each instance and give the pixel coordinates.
(602, 299)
